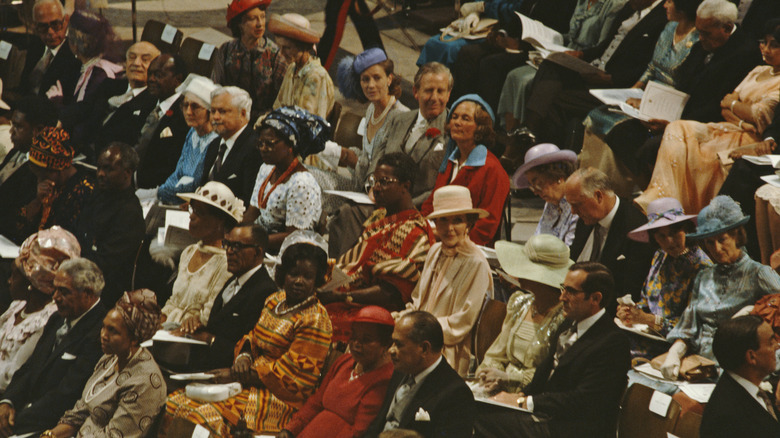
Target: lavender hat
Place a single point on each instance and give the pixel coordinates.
(660, 213)
(536, 156)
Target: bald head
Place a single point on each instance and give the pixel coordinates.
(139, 56)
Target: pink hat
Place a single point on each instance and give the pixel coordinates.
(536, 156)
(374, 315)
(42, 253)
(660, 213)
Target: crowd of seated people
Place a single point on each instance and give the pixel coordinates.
(361, 320)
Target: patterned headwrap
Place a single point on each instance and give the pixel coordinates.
(141, 313)
(51, 149)
(42, 253)
(306, 132)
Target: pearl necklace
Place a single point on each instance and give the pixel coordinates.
(303, 303)
(376, 121)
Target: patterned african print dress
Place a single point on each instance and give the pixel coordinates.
(391, 250)
(288, 352)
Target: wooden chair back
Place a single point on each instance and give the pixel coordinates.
(165, 37)
(637, 421)
(198, 56)
(488, 327)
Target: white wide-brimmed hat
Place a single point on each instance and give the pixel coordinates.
(453, 200)
(218, 195)
(543, 259)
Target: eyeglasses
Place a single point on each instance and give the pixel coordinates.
(55, 25)
(384, 182)
(231, 246)
(570, 290)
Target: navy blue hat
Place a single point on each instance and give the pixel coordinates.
(306, 132)
(350, 68)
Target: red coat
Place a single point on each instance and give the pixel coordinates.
(488, 183)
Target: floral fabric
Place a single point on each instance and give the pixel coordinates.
(559, 221)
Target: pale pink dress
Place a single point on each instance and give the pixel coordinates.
(688, 167)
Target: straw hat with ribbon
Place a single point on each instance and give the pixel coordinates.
(543, 259)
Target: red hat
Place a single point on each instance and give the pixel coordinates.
(236, 7)
(374, 315)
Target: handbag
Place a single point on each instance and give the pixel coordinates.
(693, 367)
(455, 30)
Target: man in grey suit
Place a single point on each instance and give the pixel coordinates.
(419, 134)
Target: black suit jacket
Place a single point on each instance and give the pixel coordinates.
(64, 68)
(732, 412)
(583, 394)
(52, 379)
(161, 156)
(635, 51)
(758, 14)
(628, 259)
(707, 83)
(228, 323)
(239, 170)
(445, 397)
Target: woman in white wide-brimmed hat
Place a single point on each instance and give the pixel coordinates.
(667, 289)
(533, 314)
(456, 275)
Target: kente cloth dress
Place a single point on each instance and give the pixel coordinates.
(309, 88)
(392, 249)
(297, 202)
(589, 26)
(17, 342)
(452, 287)
(522, 345)
(288, 352)
(259, 71)
(119, 403)
(718, 292)
(343, 406)
(666, 293)
(688, 167)
(559, 221)
(194, 292)
(189, 170)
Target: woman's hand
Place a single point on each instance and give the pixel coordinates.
(7, 414)
(507, 398)
(55, 93)
(467, 9)
(285, 434)
(492, 379)
(633, 101)
(630, 315)
(221, 375)
(191, 325)
(575, 53)
(671, 366)
(728, 100)
(242, 368)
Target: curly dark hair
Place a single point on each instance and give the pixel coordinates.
(404, 167)
(302, 251)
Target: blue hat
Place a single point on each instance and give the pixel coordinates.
(473, 98)
(306, 132)
(721, 215)
(350, 68)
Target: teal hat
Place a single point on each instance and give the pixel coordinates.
(721, 215)
(473, 98)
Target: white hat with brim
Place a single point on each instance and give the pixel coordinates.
(454, 200)
(661, 213)
(220, 196)
(543, 259)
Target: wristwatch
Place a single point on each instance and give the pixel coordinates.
(521, 401)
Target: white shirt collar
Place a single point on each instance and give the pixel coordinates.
(424, 373)
(166, 104)
(647, 10)
(749, 386)
(246, 275)
(588, 322)
(606, 221)
(73, 323)
(55, 50)
(420, 119)
(136, 91)
(231, 141)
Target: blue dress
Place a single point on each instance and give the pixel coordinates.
(718, 293)
(667, 58)
(190, 165)
(559, 221)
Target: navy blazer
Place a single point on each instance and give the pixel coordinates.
(64, 68)
(583, 394)
(229, 322)
(446, 398)
(628, 259)
(52, 379)
(732, 412)
(161, 156)
(239, 169)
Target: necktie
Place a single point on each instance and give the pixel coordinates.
(36, 75)
(399, 403)
(598, 239)
(152, 120)
(61, 333)
(565, 341)
(117, 101)
(414, 135)
(768, 403)
(218, 162)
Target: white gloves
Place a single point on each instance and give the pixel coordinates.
(467, 9)
(671, 366)
(470, 22)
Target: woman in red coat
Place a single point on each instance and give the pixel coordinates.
(469, 163)
(353, 390)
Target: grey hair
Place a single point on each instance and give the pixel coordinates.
(85, 276)
(435, 68)
(722, 11)
(239, 97)
(592, 180)
(57, 3)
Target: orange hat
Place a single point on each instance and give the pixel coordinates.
(236, 7)
(374, 315)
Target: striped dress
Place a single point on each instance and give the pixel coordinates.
(289, 352)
